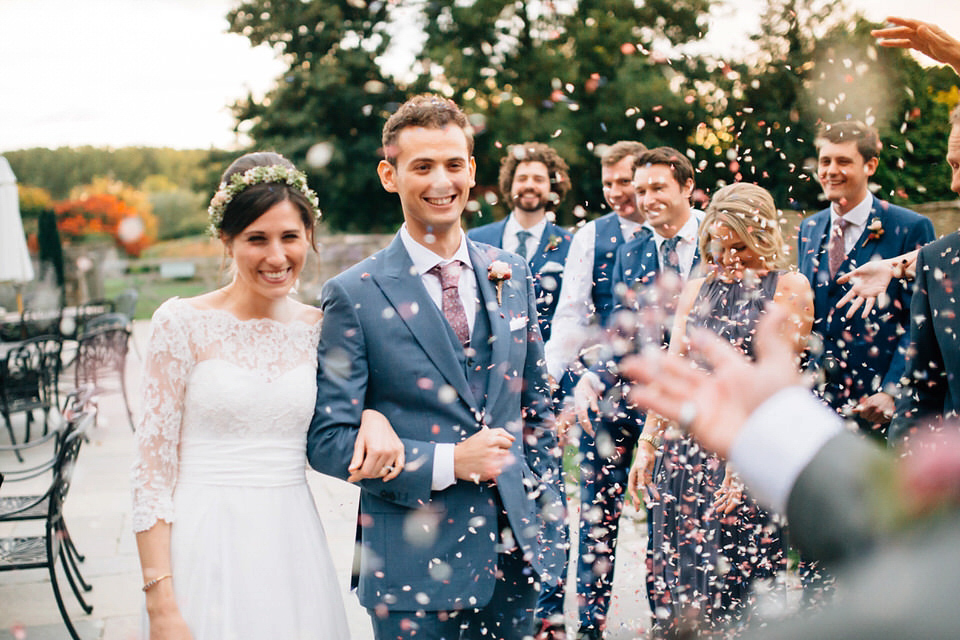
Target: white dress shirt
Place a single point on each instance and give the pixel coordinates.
(425, 259)
(687, 246)
(779, 440)
(510, 241)
(856, 220)
(572, 316)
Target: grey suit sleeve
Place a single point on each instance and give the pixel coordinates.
(342, 380)
(843, 502)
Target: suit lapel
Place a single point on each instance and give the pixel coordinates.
(402, 286)
(499, 322)
(867, 242)
(814, 245)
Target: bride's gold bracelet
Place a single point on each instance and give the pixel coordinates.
(153, 582)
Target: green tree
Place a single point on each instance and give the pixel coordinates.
(819, 64)
(327, 110)
(575, 79)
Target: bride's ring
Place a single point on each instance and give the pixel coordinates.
(388, 469)
(688, 413)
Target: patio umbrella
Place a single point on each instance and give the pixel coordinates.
(15, 266)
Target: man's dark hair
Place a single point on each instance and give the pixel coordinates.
(679, 164)
(425, 110)
(620, 150)
(866, 137)
(557, 169)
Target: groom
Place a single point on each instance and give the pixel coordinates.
(440, 335)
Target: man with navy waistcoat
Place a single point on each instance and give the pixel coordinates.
(439, 334)
(533, 181)
(862, 359)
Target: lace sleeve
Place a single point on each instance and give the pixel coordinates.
(167, 364)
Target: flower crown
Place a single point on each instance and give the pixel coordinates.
(258, 175)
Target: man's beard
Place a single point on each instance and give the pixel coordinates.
(519, 202)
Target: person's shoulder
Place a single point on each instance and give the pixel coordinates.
(486, 231)
(793, 282)
(306, 313)
(555, 230)
(946, 248)
(903, 214)
(642, 238)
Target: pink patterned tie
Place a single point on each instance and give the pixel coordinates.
(836, 251)
(452, 306)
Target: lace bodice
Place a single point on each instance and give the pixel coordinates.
(209, 376)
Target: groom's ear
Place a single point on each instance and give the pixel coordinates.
(388, 176)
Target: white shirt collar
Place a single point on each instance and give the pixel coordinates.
(856, 217)
(512, 226)
(425, 259)
(688, 232)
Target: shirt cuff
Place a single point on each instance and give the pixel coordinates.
(443, 472)
(778, 441)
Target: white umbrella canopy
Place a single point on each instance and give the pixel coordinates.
(15, 265)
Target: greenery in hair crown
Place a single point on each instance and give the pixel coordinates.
(258, 175)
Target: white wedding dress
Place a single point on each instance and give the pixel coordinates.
(222, 457)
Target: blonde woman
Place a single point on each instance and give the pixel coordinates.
(710, 541)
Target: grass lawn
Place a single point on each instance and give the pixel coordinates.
(153, 292)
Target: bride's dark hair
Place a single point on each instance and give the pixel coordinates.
(255, 200)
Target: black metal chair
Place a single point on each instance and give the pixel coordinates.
(29, 380)
(89, 310)
(126, 303)
(42, 322)
(55, 547)
(102, 361)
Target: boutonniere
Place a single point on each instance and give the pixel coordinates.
(499, 272)
(875, 229)
(553, 243)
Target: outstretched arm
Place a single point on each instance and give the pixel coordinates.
(924, 37)
(869, 281)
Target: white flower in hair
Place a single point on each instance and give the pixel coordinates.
(239, 182)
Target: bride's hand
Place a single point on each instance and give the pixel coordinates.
(378, 452)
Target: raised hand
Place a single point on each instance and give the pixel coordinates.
(926, 38)
(483, 456)
(713, 406)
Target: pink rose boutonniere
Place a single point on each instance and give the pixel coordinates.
(875, 229)
(499, 272)
(553, 243)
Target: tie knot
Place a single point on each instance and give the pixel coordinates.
(448, 273)
(522, 236)
(840, 225)
(670, 244)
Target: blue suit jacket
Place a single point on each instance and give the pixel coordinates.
(385, 345)
(861, 357)
(546, 263)
(932, 379)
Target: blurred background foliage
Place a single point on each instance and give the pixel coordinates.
(576, 75)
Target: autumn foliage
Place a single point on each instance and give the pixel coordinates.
(95, 210)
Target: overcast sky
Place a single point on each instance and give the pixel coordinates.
(162, 72)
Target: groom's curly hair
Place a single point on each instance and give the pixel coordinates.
(425, 110)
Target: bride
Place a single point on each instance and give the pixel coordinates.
(230, 542)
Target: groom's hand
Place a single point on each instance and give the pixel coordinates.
(482, 456)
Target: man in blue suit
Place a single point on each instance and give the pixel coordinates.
(533, 180)
(862, 358)
(663, 183)
(439, 334)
